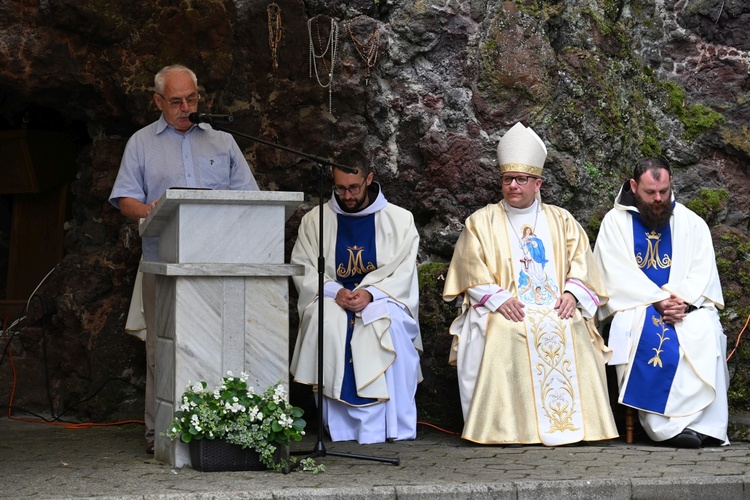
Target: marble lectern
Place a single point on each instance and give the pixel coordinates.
(222, 294)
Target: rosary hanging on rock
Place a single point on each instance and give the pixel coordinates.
(274, 32)
(369, 50)
(329, 50)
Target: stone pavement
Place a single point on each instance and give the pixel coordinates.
(46, 461)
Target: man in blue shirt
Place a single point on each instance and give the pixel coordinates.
(172, 152)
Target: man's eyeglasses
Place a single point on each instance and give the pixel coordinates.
(521, 180)
(176, 102)
(353, 190)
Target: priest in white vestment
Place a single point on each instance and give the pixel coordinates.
(658, 263)
(371, 297)
(530, 361)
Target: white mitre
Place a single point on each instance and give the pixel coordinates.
(521, 150)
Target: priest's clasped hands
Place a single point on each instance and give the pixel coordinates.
(353, 300)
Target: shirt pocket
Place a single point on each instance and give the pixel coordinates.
(215, 171)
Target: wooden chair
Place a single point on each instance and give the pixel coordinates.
(625, 416)
(630, 421)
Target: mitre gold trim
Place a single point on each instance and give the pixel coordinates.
(521, 167)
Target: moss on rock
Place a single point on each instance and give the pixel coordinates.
(709, 203)
(697, 118)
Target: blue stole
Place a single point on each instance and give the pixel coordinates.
(356, 255)
(658, 351)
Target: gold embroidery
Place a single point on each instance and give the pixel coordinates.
(656, 360)
(652, 258)
(554, 370)
(355, 264)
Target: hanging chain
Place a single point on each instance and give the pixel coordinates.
(368, 50)
(274, 32)
(332, 46)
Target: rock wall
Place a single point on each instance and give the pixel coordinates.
(604, 83)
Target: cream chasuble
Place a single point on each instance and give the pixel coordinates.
(541, 380)
(373, 350)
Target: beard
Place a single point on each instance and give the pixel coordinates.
(356, 207)
(654, 217)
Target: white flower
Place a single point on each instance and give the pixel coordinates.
(285, 421)
(197, 387)
(234, 408)
(254, 414)
(279, 394)
(244, 376)
(195, 422)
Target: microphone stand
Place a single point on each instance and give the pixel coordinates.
(319, 450)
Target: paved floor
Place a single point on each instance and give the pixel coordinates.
(43, 461)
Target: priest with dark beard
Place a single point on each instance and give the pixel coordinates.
(659, 267)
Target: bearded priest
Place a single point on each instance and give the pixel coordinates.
(658, 263)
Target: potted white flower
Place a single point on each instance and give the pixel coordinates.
(224, 426)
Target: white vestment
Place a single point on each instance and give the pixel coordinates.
(386, 341)
(698, 396)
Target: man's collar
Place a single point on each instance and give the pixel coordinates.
(162, 125)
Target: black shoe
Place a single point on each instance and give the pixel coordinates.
(150, 448)
(685, 439)
(710, 442)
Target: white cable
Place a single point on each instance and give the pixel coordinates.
(28, 302)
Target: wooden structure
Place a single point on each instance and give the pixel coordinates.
(36, 169)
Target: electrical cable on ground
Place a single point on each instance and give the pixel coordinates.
(446, 431)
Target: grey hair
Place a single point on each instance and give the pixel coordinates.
(166, 70)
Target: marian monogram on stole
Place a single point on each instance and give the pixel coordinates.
(658, 344)
(652, 259)
(656, 263)
(355, 265)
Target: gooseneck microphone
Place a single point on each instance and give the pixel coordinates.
(210, 118)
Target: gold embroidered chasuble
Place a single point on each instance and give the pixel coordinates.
(541, 380)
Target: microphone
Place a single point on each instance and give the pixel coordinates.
(210, 118)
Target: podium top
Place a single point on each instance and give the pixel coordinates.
(167, 205)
